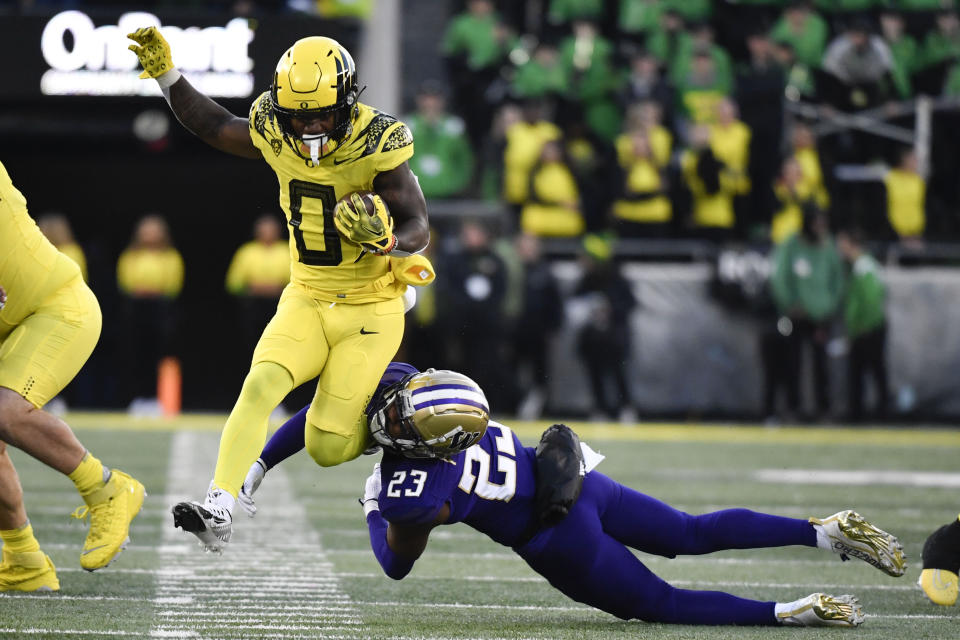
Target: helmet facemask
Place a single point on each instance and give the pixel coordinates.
(311, 82)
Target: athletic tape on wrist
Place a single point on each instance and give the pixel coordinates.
(168, 78)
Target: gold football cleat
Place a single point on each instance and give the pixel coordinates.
(822, 610)
(850, 535)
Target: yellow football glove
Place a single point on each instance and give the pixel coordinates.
(153, 52)
(373, 232)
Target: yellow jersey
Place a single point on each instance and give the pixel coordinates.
(906, 200)
(31, 268)
(331, 267)
(256, 265)
(150, 272)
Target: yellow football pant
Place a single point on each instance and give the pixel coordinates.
(44, 351)
(347, 345)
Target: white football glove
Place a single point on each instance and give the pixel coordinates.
(254, 477)
(371, 492)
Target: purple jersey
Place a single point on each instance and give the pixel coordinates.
(490, 486)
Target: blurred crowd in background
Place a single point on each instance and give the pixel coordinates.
(597, 121)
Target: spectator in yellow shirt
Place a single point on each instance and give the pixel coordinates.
(730, 142)
(906, 198)
(258, 272)
(553, 199)
(805, 153)
(150, 276)
(712, 186)
(56, 228)
(525, 140)
(792, 191)
(643, 209)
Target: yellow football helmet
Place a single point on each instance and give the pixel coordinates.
(433, 414)
(314, 78)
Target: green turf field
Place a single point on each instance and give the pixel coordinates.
(303, 569)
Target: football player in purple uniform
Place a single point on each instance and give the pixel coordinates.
(445, 461)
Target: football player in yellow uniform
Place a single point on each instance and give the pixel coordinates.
(49, 324)
(341, 316)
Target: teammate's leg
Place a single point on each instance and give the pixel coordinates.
(23, 566)
(336, 428)
(37, 359)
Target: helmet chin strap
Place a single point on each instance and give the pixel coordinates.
(315, 142)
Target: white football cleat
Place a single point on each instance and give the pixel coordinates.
(848, 534)
(821, 610)
(212, 524)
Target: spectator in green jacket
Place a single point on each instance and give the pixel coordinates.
(805, 30)
(904, 48)
(807, 287)
(475, 45)
(542, 75)
(865, 316)
(943, 43)
(444, 159)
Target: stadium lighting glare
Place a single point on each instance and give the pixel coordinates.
(86, 59)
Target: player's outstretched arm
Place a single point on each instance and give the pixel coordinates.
(401, 191)
(396, 547)
(199, 114)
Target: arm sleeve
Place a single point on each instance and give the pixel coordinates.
(395, 566)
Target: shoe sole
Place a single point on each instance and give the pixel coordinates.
(123, 545)
(186, 517)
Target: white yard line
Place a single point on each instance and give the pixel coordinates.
(274, 567)
(859, 477)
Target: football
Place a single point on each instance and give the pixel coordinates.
(366, 196)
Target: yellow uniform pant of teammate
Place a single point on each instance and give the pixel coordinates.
(348, 345)
(41, 353)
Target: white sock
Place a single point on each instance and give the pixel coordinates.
(823, 540)
(220, 498)
(786, 607)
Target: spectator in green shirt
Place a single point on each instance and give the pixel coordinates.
(701, 39)
(587, 58)
(541, 76)
(443, 162)
(865, 316)
(807, 288)
(943, 43)
(475, 45)
(692, 10)
(904, 49)
(478, 36)
(566, 11)
(638, 18)
(805, 30)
